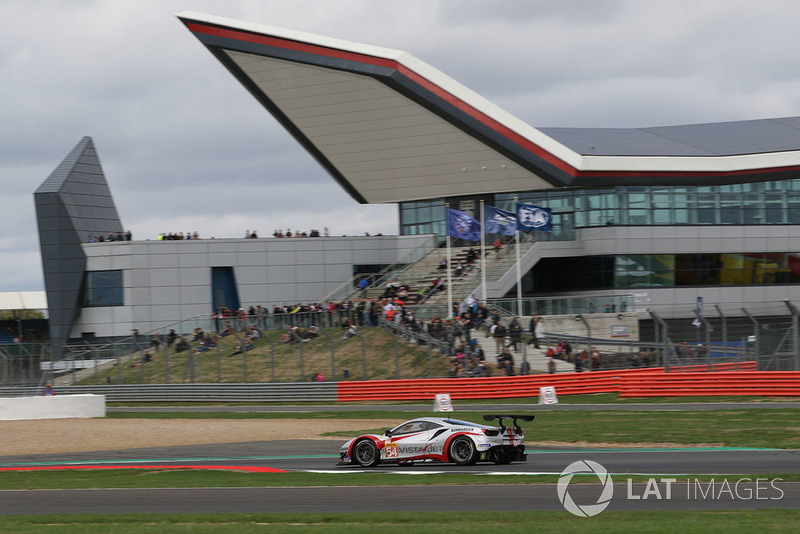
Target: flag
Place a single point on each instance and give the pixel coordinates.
(499, 221)
(461, 225)
(531, 217)
(699, 307)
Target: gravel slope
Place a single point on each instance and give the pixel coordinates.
(46, 436)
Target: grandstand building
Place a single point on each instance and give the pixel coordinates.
(662, 215)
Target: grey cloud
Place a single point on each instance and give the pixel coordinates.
(180, 140)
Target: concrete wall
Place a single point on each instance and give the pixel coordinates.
(52, 407)
(169, 281)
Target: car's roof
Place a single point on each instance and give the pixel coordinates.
(447, 421)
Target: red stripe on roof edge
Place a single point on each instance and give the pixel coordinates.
(493, 124)
(388, 63)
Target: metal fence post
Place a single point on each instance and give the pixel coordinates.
(302, 355)
(724, 329)
(756, 329)
(795, 333)
(363, 354)
(333, 352)
(709, 329)
(660, 324)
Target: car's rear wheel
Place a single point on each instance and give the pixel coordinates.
(366, 453)
(463, 451)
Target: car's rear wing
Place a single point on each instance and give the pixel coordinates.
(500, 417)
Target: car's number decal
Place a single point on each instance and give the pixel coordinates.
(391, 450)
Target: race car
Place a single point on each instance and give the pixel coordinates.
(438, 439)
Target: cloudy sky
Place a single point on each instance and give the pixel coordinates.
(184, 147)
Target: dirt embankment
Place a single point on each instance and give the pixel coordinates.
(46, 436)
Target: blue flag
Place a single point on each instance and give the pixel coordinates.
(531, 217)
(461, 225)
(497, 221)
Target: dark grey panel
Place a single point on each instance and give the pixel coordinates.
(71, 203)
(709, 139)
(618, 141)
(85, 188)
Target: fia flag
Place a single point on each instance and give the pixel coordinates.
(499, 221)
(530, 217)
(461, 225)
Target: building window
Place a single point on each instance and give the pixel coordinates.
(103, 288)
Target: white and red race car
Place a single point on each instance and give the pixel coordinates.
(440, 439)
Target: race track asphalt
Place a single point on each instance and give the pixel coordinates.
(727, 465)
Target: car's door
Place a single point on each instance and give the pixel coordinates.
(407, 440)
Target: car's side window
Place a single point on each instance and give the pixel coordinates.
(430, 425)
(409, 428)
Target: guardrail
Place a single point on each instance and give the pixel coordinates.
(268, 392)
(766, 383)
(647, 382)
(524, 386)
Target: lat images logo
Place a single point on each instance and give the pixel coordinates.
(586, 467)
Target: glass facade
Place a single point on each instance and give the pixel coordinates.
(426, 217)
(775, 202)
(102, 288)
(664, 270)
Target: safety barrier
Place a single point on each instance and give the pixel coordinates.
(644, 382)
(252, 393)
(528, 386)
(727, 366)
(765, 383)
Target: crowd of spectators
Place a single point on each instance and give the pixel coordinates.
(111, 236)
(297, 233)
(179, 236)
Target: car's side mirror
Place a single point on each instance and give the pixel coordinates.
(388, 432)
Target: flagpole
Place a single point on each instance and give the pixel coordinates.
(483, 255)
(519, 268)
(449, 281)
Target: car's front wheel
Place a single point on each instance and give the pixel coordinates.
(366, 453)
(462, 451)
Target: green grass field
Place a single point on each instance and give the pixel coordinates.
(376, 351)
(712, 522)
(752, 427)
(764, 428)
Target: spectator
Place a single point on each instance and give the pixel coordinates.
(237, 349)
(349, 330)
(536, 329)
(499, 336)
(198, 334)
(514, 334)
(567, 351)
(683, 351)
(181, 345)
(505, 362)
(595, 355)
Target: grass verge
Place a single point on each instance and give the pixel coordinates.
(191, 478)
(764, 428)
(766, 520)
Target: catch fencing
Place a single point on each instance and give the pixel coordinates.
(630, 383)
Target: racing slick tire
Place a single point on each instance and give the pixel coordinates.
(366, 454)
(462, 451)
